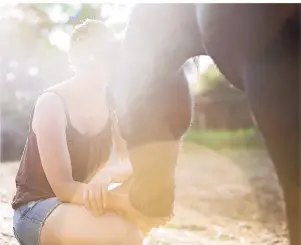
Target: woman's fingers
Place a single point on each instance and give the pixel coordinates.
(98, 199)
(104, 197)
(93, 200)
(86, 198)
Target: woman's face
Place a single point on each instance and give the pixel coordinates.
(101, 60)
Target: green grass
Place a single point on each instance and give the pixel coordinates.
(246, 138)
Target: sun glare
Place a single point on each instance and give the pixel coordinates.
(60, 38)
(192, 70)
(56, 14)
(115, 14)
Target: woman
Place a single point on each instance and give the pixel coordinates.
(69, 140)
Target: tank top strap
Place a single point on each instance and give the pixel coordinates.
(62, 101)
(109, 98)
(110, 103)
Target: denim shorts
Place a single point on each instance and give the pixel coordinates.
(29, 219)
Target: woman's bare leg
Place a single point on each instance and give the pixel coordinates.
(70, 224)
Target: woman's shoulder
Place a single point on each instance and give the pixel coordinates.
(59, 88)
(49, 104)
(49, 110)
(53, 98)
(56, 93)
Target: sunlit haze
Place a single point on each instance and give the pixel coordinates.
(115, 14)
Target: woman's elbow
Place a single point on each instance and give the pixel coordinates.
(67, 191)
(59, 190)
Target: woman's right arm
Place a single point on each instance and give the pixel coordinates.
(49, 125)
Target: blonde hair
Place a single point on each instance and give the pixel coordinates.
(86, 37)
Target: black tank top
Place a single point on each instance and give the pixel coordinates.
(87, 153)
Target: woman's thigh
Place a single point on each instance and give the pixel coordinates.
(73, 224)
(49, 221)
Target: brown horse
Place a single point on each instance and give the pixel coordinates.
(256, 47)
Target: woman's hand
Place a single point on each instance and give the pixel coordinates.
(95, 193)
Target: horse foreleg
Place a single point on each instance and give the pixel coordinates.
(272, 86)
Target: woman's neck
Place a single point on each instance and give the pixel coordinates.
(90, 84)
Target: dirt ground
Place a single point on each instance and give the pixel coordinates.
(225, 197)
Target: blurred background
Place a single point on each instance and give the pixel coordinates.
(227, 190)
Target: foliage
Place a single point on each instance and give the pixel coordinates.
(247, 138)
(209, 79)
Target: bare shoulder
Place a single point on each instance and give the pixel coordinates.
(61, 87)
(48, 102)
(51, 101)
(49, 112)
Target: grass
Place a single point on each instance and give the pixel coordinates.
(218, 139)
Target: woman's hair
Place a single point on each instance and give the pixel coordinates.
(90, 38)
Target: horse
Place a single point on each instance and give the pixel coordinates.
(255, 46)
